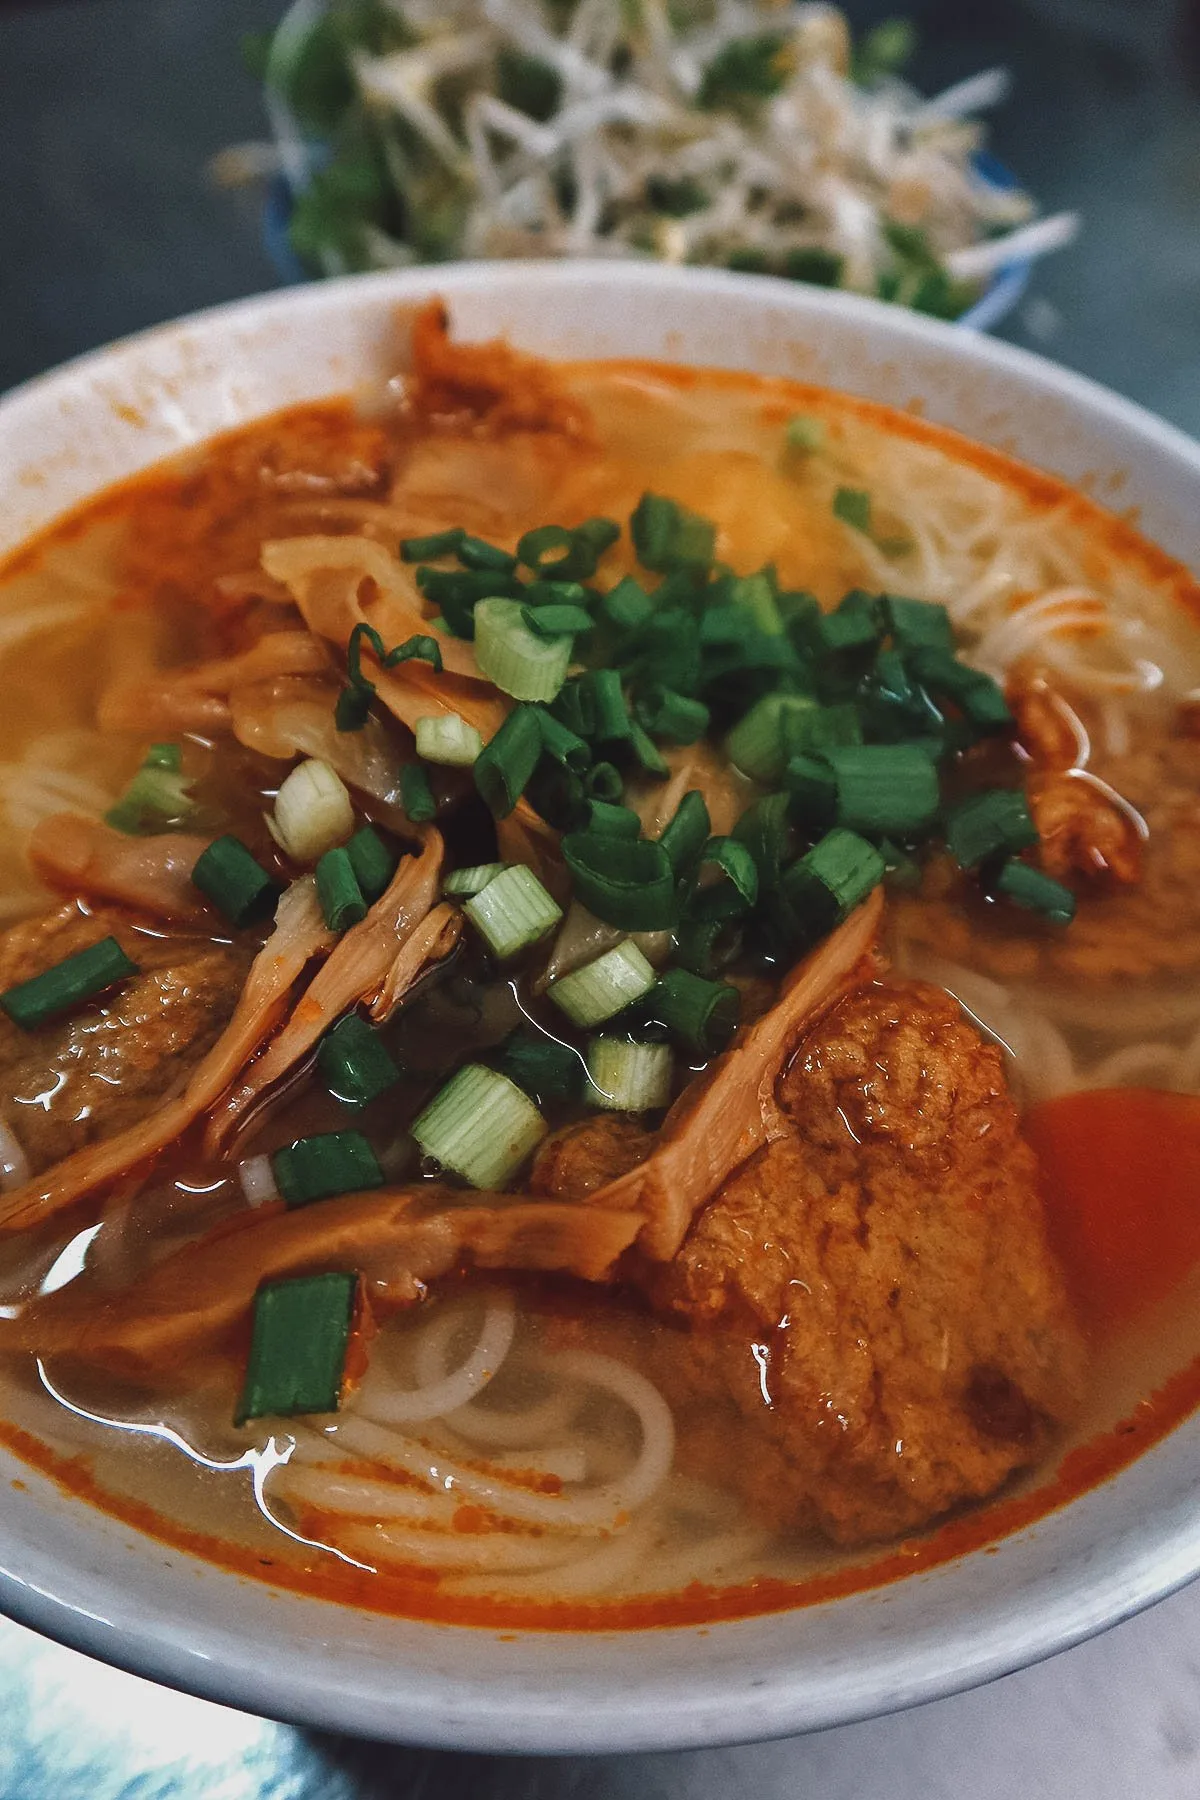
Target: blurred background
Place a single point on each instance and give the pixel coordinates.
(111, 111)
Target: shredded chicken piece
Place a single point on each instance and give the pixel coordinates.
(524, 837)
(1049, 730)
(327, 576)
(1087, 831)
(294, 716)
(432, 941)
(722, 1119)
(150, 875)
(397, 1239)
(196, 699)
(694, 768)
(353, 975)
(300, 934)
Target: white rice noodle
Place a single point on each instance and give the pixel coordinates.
(530, 1426)
(383, 1402)
(605, 1506)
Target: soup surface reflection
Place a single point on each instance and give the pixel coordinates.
(598, 1005)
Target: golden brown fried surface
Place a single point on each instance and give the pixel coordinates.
(79, 1079)
(583, 1157)
(887, 1262)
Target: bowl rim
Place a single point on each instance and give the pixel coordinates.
(1142, 1573)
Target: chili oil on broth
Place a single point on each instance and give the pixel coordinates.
(137, 571)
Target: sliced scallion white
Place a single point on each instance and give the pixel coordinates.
(481, 1126)
(625, 1077)
(460, 884)
(257, 1178)
(513, 911)
(313, 811)
(446, 739)
(518, 661)
(603, 988)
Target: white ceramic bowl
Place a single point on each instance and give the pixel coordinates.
(96, 1584)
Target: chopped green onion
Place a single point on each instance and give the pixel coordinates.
(298, 1348)
(574, 707)
(755, 594)
(626, 882)
(738, 892)
(228, 875)
(372, 862)
(77, 978)
(813, 790)
(556, 552)
(666, 535)
(313, 811)
(481, 1126)
(416, 795)
(602, 695)
(541, 1066)
(605, 987)
(805, 435)
(705, 945)
(604, 783)
(884, 788)
(507, 761)
(993, 824)
(556, 621)
(557, 593)
(627, 605)
(321, 1167)
(826, 885)
(1036, 892)
(625, 1077)
(918, 624)
(516, 659)
(615, 821)
(853, 507)
(764, 830)
(702, 1014)
(457, 592)
(684, 835)
(338, 891)
(563, 744)
(164, 756)
(462, 884)
(673, 717)
(448, 740)
(665, 651)
(354, 701)
(427, 549)
(760, 743)
(852, 626)
(980, 698)
(355, 1063)
(513, 912)
(821, 728)
(159, 794)
(477, 553)
(646, 752)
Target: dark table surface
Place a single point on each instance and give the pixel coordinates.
(109, 111)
